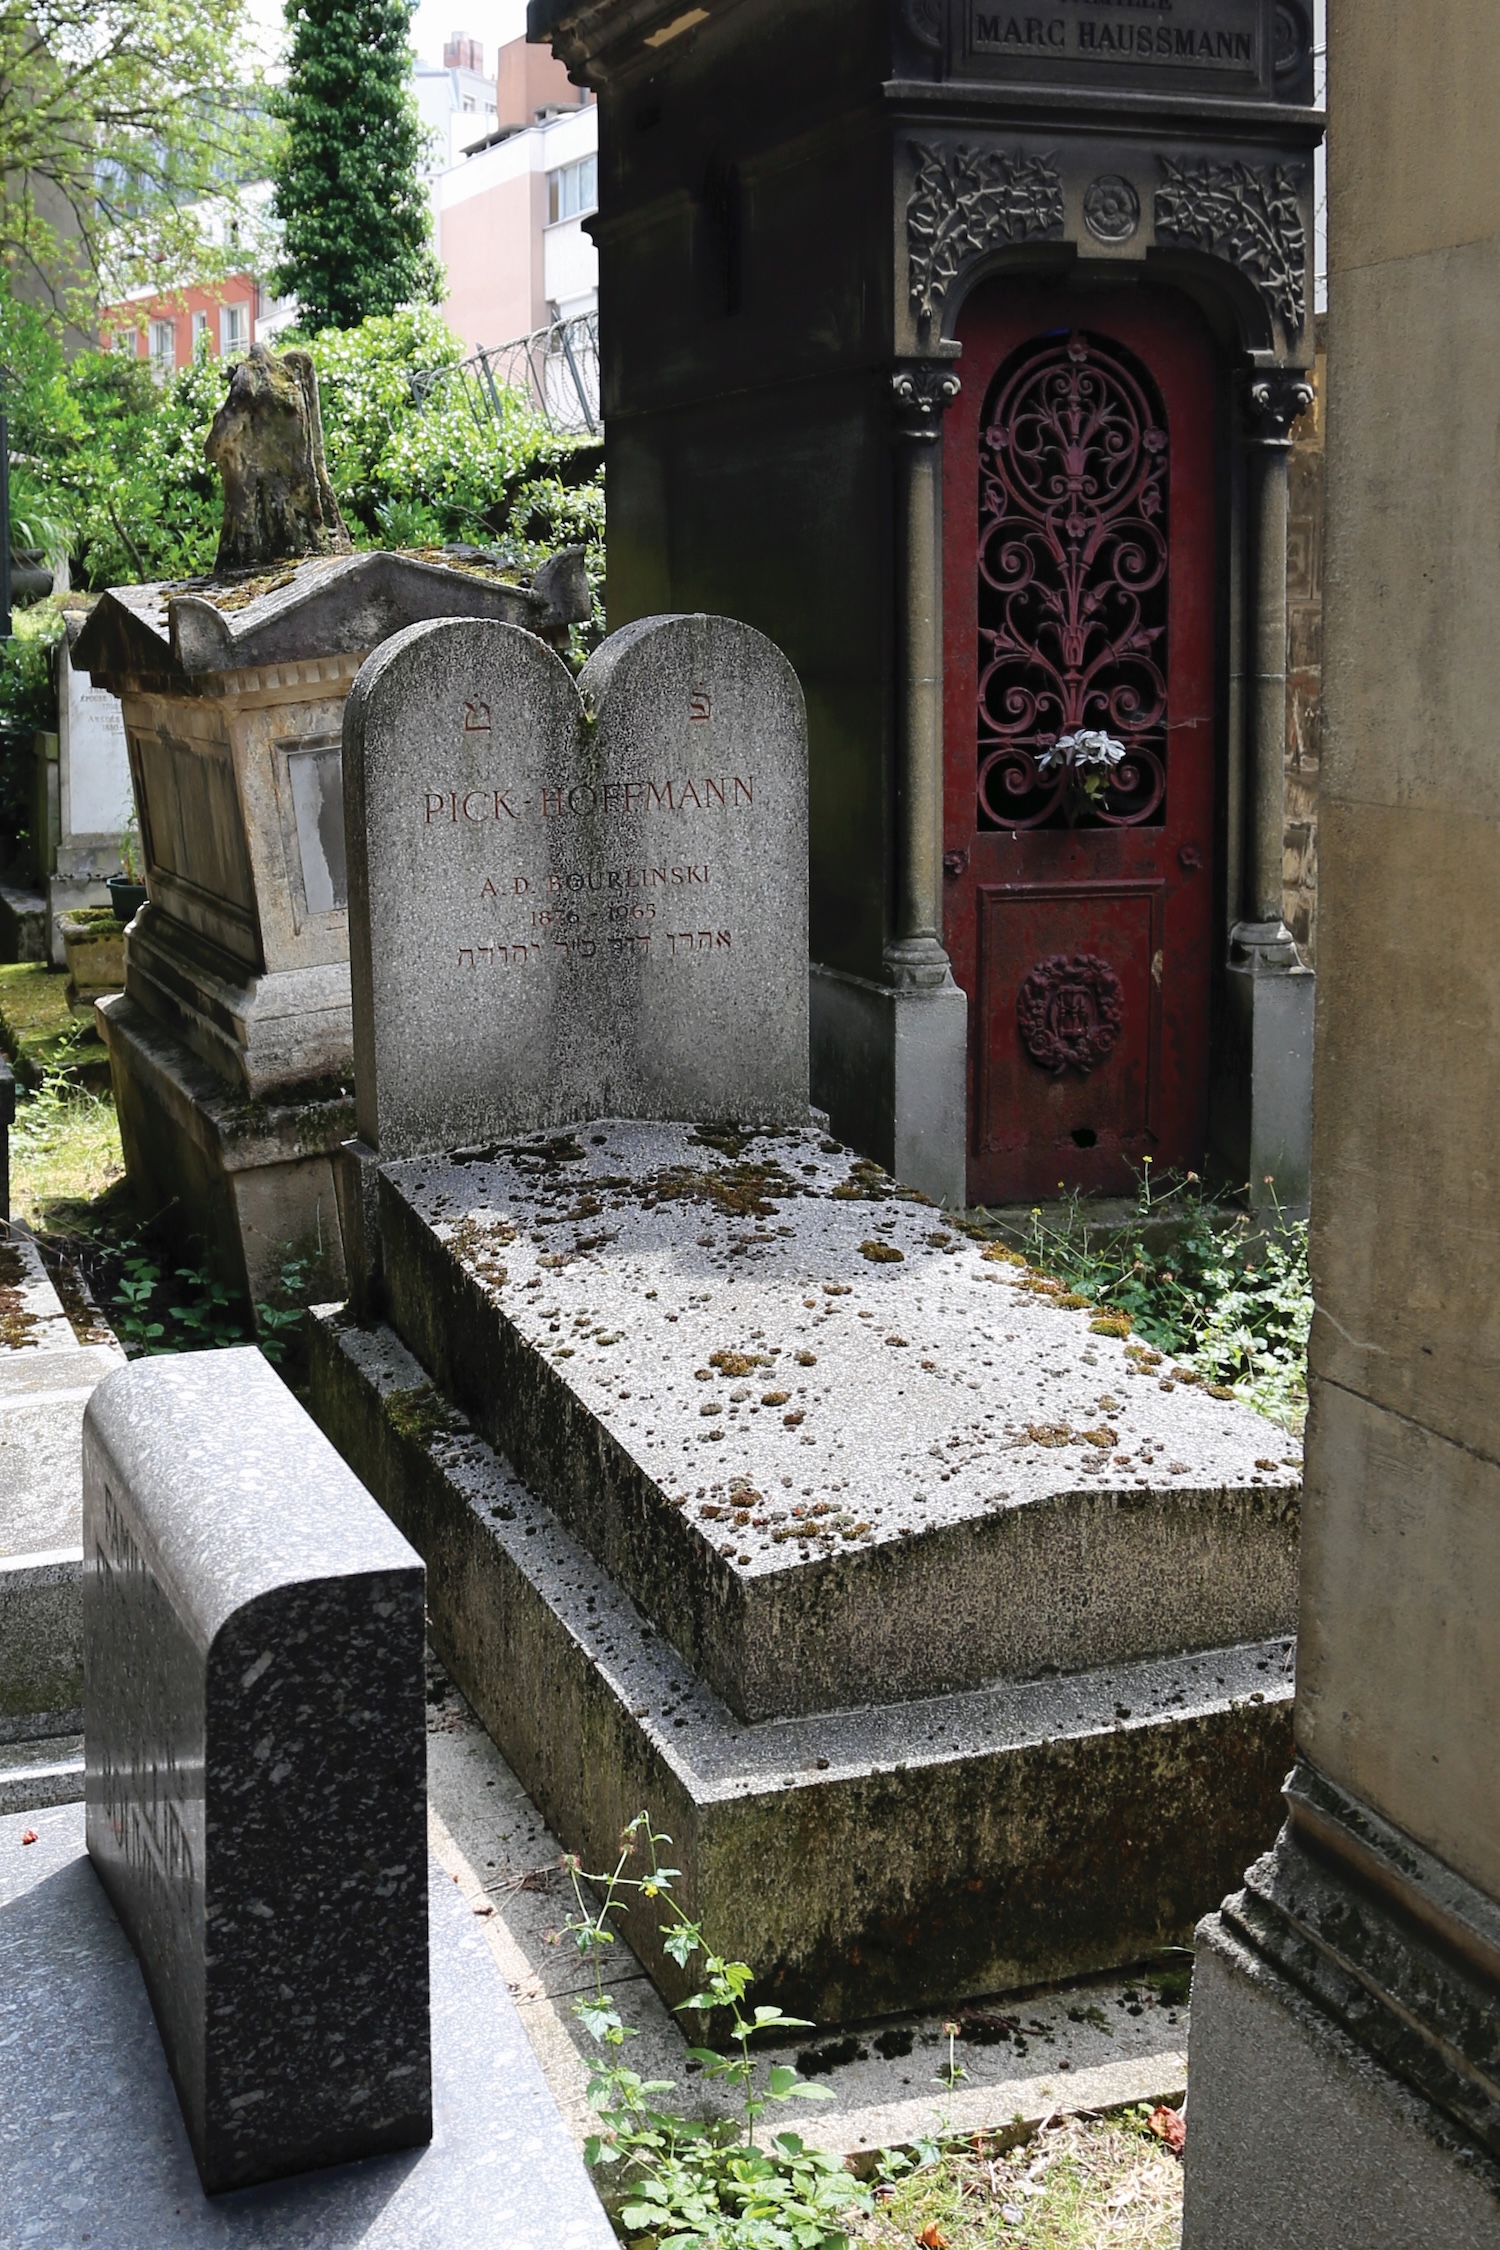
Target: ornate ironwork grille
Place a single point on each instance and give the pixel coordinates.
(1073, 561)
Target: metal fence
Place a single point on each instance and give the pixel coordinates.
(557, 367)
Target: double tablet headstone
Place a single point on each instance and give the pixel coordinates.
(573, 901)
(255, 1758)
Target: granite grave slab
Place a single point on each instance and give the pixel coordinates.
(255, 1764)
(92, 2144)
(568, 901)
(834, 1449)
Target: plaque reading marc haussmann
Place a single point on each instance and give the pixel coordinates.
(1217, 35)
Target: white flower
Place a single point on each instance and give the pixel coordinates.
(1088, 747)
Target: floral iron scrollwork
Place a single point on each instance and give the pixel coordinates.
(967, 200)
(1072, 597)
(1070, 1012)
(1247, 213)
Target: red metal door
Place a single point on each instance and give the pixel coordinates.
(1079, 563)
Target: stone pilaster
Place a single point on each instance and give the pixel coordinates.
(1345, 2054)
(889, 1057)
(1270, 988)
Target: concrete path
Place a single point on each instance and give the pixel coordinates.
(48, 1370)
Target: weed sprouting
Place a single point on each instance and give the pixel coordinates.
(701, 2181)
(1227, 1300)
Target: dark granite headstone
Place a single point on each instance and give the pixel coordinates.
(256, 1764)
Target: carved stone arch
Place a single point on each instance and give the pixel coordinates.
(1235, 309)
(1250, 220)
(970, 202)
(1040, 260)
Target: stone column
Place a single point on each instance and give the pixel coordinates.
(1271, 992)
(904, 1040)
(1345, 2056)
(915, 957)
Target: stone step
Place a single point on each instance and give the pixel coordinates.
(41, 1641)
(26, 1376)
(43, 1772)
(898, 1856)
(23, 924)
(32, 1318)
(834, 1450)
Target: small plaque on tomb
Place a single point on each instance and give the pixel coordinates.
(255, 1757)
(1120, 41)
(569, 900)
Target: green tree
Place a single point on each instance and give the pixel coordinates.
(117, 117)
(349, 196)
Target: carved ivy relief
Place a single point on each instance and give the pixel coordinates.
(1250, 215)
(967, 200)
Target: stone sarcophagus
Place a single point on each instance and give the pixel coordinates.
(231, 1047)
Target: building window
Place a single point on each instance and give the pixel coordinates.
(573, 189)
(234, 328)
(127, 342)
(200, 329)
(163, 346)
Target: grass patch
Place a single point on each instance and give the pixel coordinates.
(68, 1185)
(1229, 1300)
(66, 1166)
(1083, 2184)
(39, 1031)
(33, 1003)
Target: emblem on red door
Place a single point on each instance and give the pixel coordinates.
(1071, 1011)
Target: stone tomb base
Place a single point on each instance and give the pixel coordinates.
(251, 1180)
(950, 1642)
(1304, 2138)
(92, 2143)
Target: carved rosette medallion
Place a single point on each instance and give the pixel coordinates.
(1292, 37)
(924, 20)
(1111, 208)
(965, 201)
(1249, 214)
(1071, 1011)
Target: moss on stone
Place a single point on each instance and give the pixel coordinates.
(420, 1415)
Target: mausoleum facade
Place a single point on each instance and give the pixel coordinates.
(958, 349)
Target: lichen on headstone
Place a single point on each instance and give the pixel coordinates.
(267, 445)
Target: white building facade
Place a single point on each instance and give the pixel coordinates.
(508, 218)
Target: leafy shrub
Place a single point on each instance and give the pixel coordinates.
(109, 466)
(1230, 1301)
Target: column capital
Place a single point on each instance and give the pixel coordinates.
(1265, 949)
(1274, 398)
(922, 390)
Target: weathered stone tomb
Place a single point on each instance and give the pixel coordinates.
(231, 1047)
(949, 1639)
